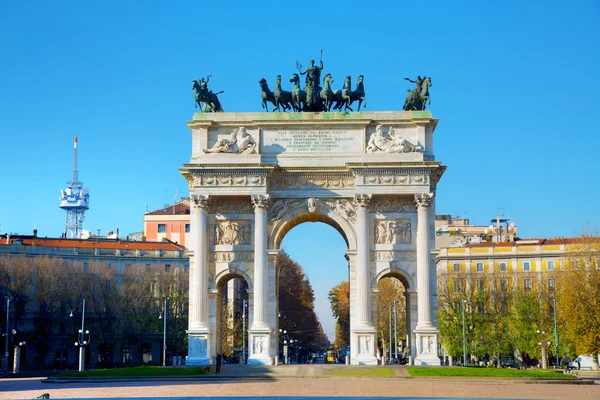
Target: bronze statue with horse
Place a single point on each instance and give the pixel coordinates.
(417, 99)
(205, 99)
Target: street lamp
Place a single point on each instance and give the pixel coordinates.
(543, 345)
(464, 334)
(283, 332)
(165, 331)
(6, 353)
(395, 331)
(390, 361)
(555, 335)
(17, 355)
(81, 342)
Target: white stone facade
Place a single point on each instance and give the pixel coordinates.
(312, 167)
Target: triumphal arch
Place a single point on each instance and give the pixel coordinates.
(254, 176)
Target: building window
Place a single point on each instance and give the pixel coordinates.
(479, 267)
(551, 265)
(527, 266)
(162, 228)
(480, 285)
(167, 268)
(458, 285)
(503, 267)
(186, 267)
(187, 227)
(551, 283)
(455, 267)
(128, 267)
(527, 284)
(504, 284)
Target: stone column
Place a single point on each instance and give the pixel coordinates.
(426, 335)
(363, 281)
(423, 201)
(199, 299)
(200, 344)
(261, 205)
(260, 333)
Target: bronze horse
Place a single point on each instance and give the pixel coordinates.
(348, 97)
(205, 99)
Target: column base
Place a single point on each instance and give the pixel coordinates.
(427, 344)
(363, 346)
(259, 346)
(198, 349)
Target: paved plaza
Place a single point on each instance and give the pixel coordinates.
(294, 380)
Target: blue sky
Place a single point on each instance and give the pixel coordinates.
(515, 86)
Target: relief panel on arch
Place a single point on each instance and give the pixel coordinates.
(393, 231)
(232, 232)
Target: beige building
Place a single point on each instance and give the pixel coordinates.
(523, 263)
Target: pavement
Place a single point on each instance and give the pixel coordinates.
(299, 380)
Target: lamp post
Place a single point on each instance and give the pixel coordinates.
(81, 342)
(244, 332)
(555, 335)
(390, 335)
(464, 334)
(395, 332)
(165, 331)
(283, 333)
(6, 352)
(17, 355)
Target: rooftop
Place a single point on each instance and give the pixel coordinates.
(92, 243)
(182, 207)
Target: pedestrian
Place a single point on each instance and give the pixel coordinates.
(378, 357)
(578, 364)
(219, 357)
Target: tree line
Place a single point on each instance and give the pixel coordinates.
(123, 308)
(514, 314)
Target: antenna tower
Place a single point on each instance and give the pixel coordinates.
(75, 201)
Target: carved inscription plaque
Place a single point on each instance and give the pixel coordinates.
(312, 141)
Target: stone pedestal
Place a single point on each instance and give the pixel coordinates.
(427, 344)
(259, 348)
(198, 349)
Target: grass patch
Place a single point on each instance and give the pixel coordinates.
(488, 372)
(369, 372)
(145, 371)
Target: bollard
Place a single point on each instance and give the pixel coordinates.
(347, 360)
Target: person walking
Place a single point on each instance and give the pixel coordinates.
(219, 358)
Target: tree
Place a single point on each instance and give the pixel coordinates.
(339, 299)
(388, 290)
(296, 305)
(578, 295)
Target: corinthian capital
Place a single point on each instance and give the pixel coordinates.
(200, 201)
(423, 199)
(261, 201)
(362, 201)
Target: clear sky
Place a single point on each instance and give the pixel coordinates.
(515, 86)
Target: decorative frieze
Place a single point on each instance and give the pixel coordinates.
(232, 232)
(393, 180)
(391, 231)
(293, 181)
(389, 204)
(229, 256)
(390, 255)
(224, 205)
(231, 180)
